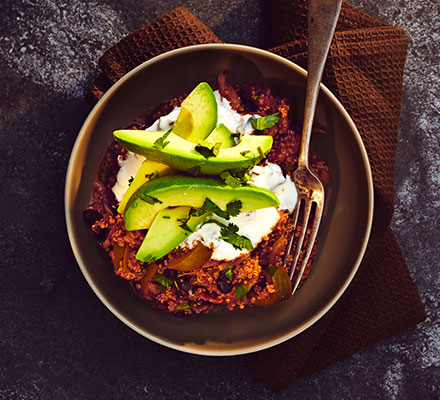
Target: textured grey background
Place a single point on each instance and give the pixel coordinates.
(56, 339)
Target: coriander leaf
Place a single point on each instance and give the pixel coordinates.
(235, 179)
(265, 122)
(233, 208)
(241, 291)
(209, 205)
(179, 252)
(193, 212)
(208, 149)
(163, 280)
(228, 272)
(229, 234)
(229, 229)
(185, 227)
(149, 199)
(161, 142)
(230, 180)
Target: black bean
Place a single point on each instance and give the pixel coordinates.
(101, 234)
(109, 201)
(223, 283)
(184, 283)
(171, 274)
(91, 216)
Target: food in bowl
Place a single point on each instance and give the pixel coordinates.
(192, 202)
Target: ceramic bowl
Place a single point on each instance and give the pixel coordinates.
(343, 234)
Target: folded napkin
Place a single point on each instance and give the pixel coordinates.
(364, 70)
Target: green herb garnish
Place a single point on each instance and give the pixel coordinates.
(194, 212)
(232, 209)
(161, 142)
(263, 123)
(163, 281)
(228, 272)
(229, 234)
(149, 199)
(207, 149)
(209, 205)
(241, 291)
(236, 179)
(185, 227)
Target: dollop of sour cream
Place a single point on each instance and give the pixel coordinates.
(128, 168)
(254, 225)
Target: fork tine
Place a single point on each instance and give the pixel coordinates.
(310, 244)
(292, 237)
(304, 222)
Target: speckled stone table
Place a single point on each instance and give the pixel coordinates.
(57, 340)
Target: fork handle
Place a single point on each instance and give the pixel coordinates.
(322, 18)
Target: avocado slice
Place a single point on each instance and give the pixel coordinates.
(196, 120)
(198, 115)
(223, 135)
(181, 154)
(148, 170)
(177, 190)
(166, 233)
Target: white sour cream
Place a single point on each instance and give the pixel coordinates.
(127, 171)
(165, 122)
(235, 122)
(254, 225)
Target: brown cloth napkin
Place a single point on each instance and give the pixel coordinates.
(364, 70)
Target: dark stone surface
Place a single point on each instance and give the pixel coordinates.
(56, 338)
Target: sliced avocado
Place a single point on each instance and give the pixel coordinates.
(148, 170)
(166, 233)
(223, 135)
(177, 190)
(198, 115)
(195, 122)
(181, 154)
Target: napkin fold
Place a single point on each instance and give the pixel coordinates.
(364, 70)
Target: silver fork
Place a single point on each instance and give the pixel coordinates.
(322, 18)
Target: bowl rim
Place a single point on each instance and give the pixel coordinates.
(68, 202)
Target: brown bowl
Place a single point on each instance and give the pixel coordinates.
(344, 230)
